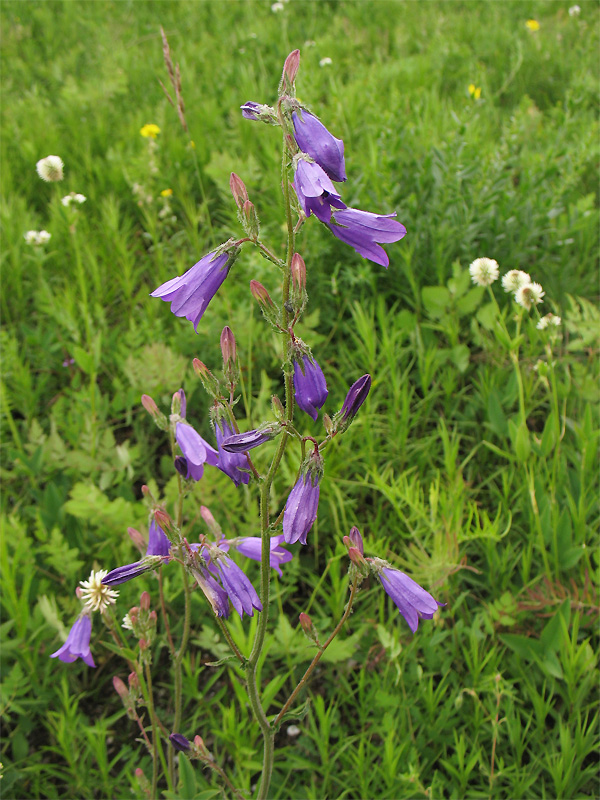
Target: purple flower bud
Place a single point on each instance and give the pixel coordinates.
(179, 742)
(78, 643)
(356, 539)
(228, 347)
(309, 385)
(258, 112)
(150, 405)
(290, 68)
(240, 442)
(181, 466)
(315, 191)
(158, 543)
(363, 230)
(357, 394)
(179, 403)
(196, 451)
(301, 507)
(238, 189)
(412, 600)
(232, 463)
(130, 571)
(190, 293)
(313, 138)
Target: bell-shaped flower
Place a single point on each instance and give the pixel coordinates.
(78, 643)
(301, 507)
(412, 600)
(196, 451)
(251, 547)
(312, 137)
(309, 385)
(242, 594)
(315, 191)
(158, 542)
(364, 231)
(233, 464)
(190, 293)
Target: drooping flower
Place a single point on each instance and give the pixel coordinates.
(251, 547)
(97, 596)
(240, 442)
(316, 192)
(514, 279)
(50, 169)
(529, 295)
(309, 385)
(150, 131)
(78, 643)
(484, 271)
(130, 571)
(196, 451)
(312, 137)
(158, 542)
(357, 394)
(301, 507)
(364, 231)
(215, 594)
(190, 293)
(242, 594)
(412, 600)
(234, 464)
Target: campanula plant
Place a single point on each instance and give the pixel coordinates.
(205, 558)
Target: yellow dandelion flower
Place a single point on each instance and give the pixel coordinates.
(471, 88)
(532, 25)
(150, 131)
(166, 193)
(477, 93)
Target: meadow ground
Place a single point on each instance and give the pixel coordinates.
(472, 465)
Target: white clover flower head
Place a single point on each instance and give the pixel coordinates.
(127, 623)
(30, 237)
(529, 295)
(37, 237)
(276, 7)
(325, 62)
(549, 319)
(514, 279)
(574, 11)
(50, 168)
(43, 237)
(95, 595)
(484, 271)
(72, 197)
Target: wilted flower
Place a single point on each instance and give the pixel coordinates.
(50, 169)
(95, 595)
(514, 279)
(78, 643)
(412, 600)
(312, 137)
(549, 319)
(529, 295)
(309, 385)
(240, 442)
(303, 501)
(363, 231)
(532, 25)
(37, 238)
(484, 271)
(315, 190)
(233, 464)
(190, 293)
(196, 451)
(72, 197)
(150, 131)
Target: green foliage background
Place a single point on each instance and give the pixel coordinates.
(498, 696)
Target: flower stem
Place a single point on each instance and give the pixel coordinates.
(156, 740)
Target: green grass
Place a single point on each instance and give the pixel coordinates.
(497, 697)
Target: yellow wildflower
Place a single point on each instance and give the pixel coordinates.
(475, 91)
(532, 25)
(150, 131)
(166, 193)
(471, 88)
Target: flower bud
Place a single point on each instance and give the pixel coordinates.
(144, 783)
(134, 682)
(163, 519)
(145, 601)
(260, 294)
(181, 465)
(228, 348)
(357, 394)
(298, 272)
(356, 556)
(121, 690)
(309, 628)
(157, 415)
(179, 404)
(137, 539)
(356, 539)
(238, 190)
(210, 383)
(327, 424)
(278, 409)
(290, 68)
(179, 742)
(250, 220)
(211, 522)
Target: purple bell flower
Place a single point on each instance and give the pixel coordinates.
(215, 594)
(233, 464)
(251, 547)
(412, 600)
(158, 543)
(196, 451)
(309, 385)
(241, 442)
(238, 587)
(179, 742)
(313, 138)
(301, 507)
(78, 643)
(315, 191)
(190, 293)
(363, 231)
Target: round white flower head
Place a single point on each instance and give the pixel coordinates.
(50, 168)
(514, 279)
(549, 319)
(127, 623)
(30, 237)
(529, 295)
(37, 237)
(484, 271)
(277, 7)
(70, 198)
(96, 596)
(80, 198)
(325, 62)
(574, 11)
(43, 237)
